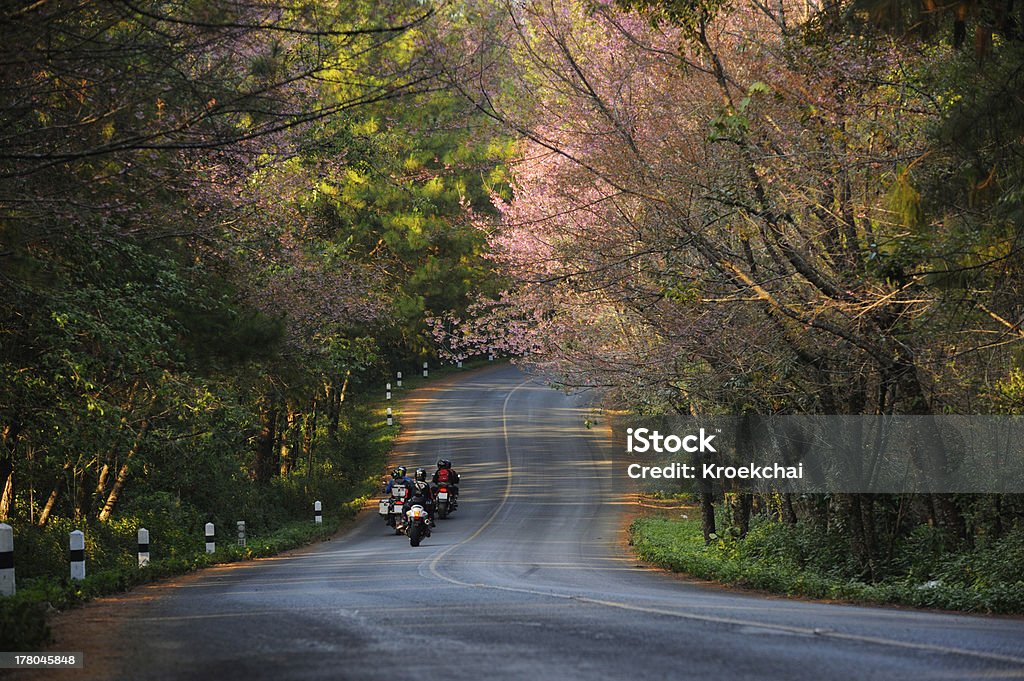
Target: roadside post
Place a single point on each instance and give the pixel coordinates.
(143, 547)
(211, 545)
(7, 587)
(76, 556)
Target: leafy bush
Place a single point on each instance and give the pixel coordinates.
(799, 560)
(23, 622)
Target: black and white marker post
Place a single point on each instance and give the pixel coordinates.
(318, 513)
(391, 421)
(211, 545)
(424, 370)
(387, 392)
(241, 532)
(143, 547)
(459, 364)
(76, 556)
(399, 379)
(7, 587)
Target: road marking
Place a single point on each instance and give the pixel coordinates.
(504, 498)
(777, 628)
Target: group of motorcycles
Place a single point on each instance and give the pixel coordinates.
(402, 512)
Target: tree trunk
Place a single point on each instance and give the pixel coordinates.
(788, 509)
(308, 435)
(265, 455)
(51, 501)
(742, 506)
(707, 514)
(78, 492)
(867, 512)
(7, 495)
(337, 397)
(945, 510)
(707, 507)
(101, 485)
(122, 474)
(858, 543)
(286, 449)
(10, 440)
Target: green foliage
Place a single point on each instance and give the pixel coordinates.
(800, 560)
(691, 14)
(904, 201)
(733, 124)
(408, 195)
(23, 622)
(198, 288)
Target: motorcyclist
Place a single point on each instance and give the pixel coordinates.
(398, 477)
(445, 474)
(421, 493)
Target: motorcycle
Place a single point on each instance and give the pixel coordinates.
(391, 508)
(445, 501)
(416, 525)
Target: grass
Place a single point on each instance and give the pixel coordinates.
(795, 561)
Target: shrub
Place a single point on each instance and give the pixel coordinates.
(799, 560)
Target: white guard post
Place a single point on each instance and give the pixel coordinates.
(143, 547)
(7, 587)
(77, 554)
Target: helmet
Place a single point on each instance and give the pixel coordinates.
(396, 473)
(443, 463)
(421, 474)
(401, 471)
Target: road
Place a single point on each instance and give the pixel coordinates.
(527, 580)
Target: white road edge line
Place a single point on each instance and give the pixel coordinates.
(781, 628)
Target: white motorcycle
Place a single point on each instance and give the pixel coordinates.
(416, 525)
(391, 508)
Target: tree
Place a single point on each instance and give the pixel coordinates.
(136, 243)
(721, 208)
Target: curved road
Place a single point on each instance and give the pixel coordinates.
(528, 580)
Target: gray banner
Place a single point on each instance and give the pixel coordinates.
(42, 660)
(870, 454)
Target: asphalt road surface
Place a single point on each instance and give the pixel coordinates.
(527, 580)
